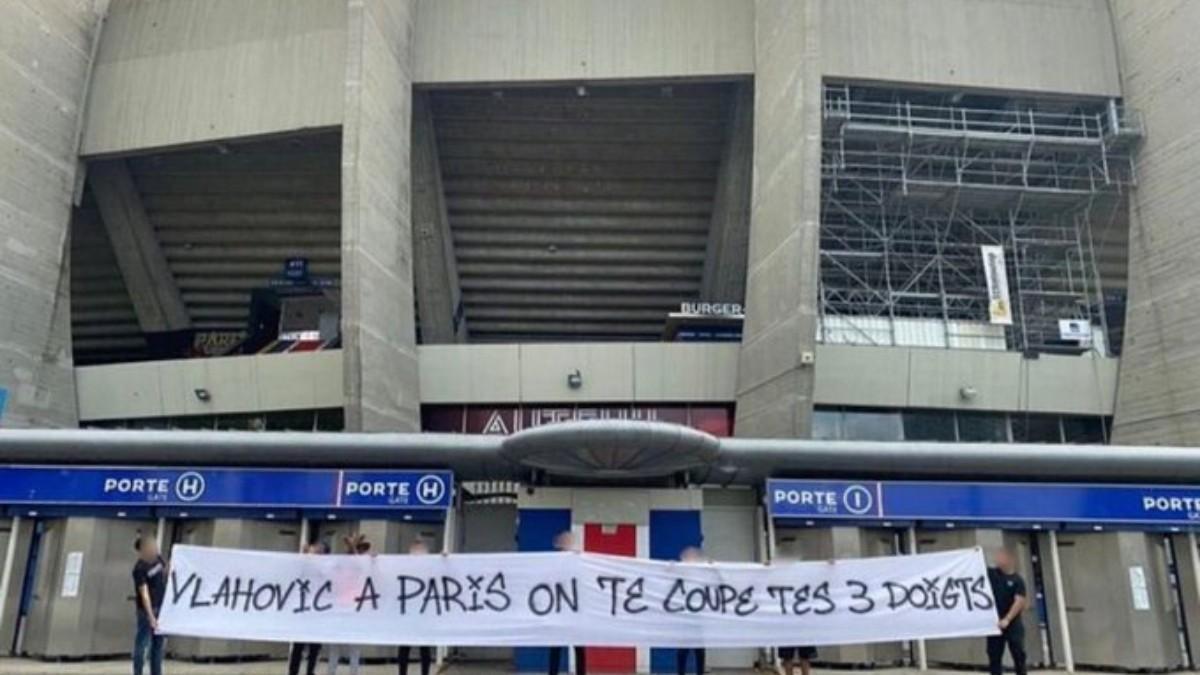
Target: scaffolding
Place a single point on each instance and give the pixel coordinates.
(915, 182)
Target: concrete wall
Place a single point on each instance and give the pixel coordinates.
(887, 377)
(1057, 46)
(236, 384)
(517, 40)
(1158, 399)
(45, 54)
(897, 377)
(172, 72)
(378, 324)
(537, 373)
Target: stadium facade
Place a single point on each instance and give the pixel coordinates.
(882, 220)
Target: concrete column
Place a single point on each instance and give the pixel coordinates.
(378, 322)
(46, 49)
(775, 384)
(1160, 373)
(724, 278)
(436, 268)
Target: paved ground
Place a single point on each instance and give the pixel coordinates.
(119, 667)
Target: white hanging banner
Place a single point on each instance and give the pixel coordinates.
(999, 303)
(538, 599)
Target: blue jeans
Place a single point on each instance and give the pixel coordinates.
(146, 639)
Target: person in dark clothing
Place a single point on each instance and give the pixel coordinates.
(418, 547)
(312, 648)
(793, 656)
(426, 655)
(1008, 588)
(580, 660)
(691, 554)
(149, 588)
(565, 541)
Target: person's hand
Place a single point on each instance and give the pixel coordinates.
(154, 624)
(1003, 623)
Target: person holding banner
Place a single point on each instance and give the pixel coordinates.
(1008, 588)
(149, 588)
(565, 541)
(418, 547)
(355, 545)
(299, 648)
(691, 554)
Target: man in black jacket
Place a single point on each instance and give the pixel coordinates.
(149, 589)
(1008, 588)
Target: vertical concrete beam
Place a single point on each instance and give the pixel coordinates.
(378, 323)
(724, 278)
(439, 297)
(46, 49)
(156, 298)
(775, 386)
(1158, 393)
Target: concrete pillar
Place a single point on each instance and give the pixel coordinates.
(1160, 373)
(775, 376)
(378, 322)
(436, 268)
(46, 49)
(724, 278)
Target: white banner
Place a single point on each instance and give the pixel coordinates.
(538, 599)
(999, 303)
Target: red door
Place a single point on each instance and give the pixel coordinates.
(613, 540)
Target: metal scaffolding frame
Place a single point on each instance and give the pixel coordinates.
(914, 182)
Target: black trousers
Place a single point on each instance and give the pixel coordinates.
(1013, 637)
(580, 660)
(681, 659)
(426, 659)
(314, 649)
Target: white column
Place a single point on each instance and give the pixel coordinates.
(922, 655)
(303, 534)
(10, 560)
(158, 536)
(1061, 602)
(769, 557)
(448, 536)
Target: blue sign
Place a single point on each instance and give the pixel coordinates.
(1142, 505)
(3, 401)
(394, 489)
(225, 488)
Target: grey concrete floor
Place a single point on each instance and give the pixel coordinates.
(10, 666)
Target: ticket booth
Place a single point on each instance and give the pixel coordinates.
(810, 539)
(66, 587)
(71, 582)
(258, 530)
(640, 523)
(1124, 599)
(932, 536)
(1111, 570)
